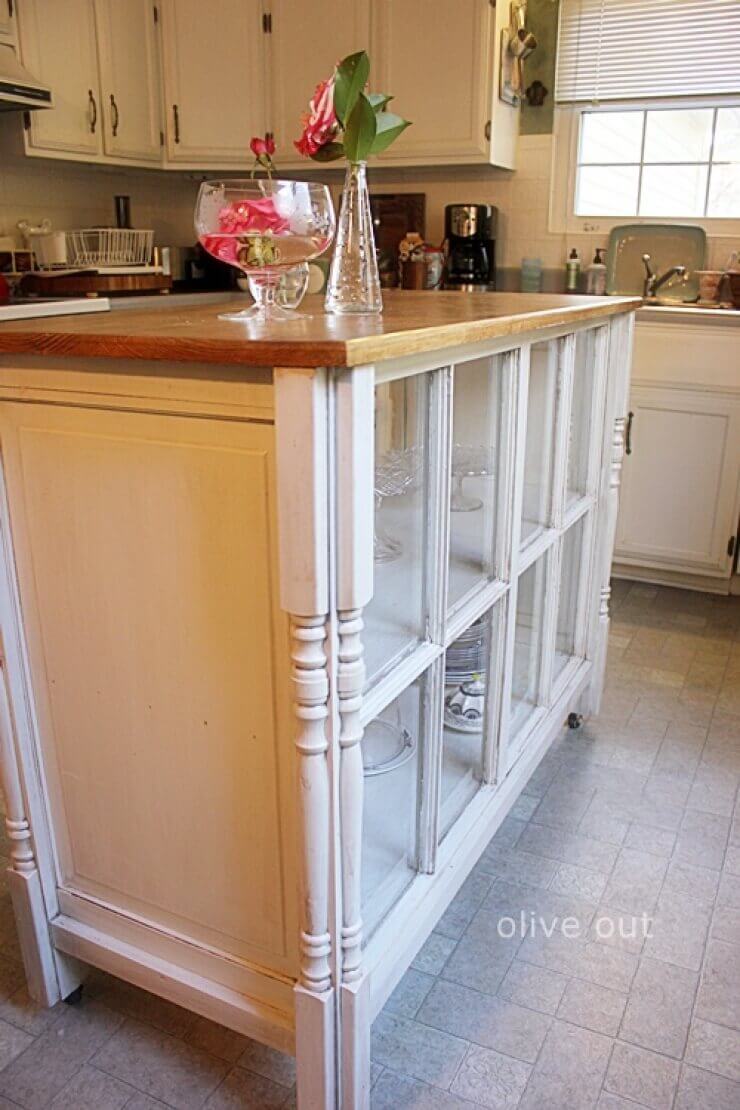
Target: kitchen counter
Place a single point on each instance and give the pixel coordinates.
(412, 323)
(689, 314)
(242, 597)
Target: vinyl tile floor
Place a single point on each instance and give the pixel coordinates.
(591, 959)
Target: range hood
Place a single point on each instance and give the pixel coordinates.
(19, 91)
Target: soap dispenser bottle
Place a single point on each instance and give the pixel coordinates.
(572, 272)
(596, 275)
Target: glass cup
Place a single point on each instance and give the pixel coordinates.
(264, 228)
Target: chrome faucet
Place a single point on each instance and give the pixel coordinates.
(653, 283)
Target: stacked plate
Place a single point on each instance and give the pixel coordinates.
(468, 655)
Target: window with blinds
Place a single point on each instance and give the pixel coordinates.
(628, 50)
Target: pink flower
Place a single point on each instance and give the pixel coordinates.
(260, 146)
(244, 216)
(221, 247)
(320, 124)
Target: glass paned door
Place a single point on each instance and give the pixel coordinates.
(570, 618)
(476, 473)
(525, 681)
(391, 752)
(587, 372)
(540, 439)
(395, 619)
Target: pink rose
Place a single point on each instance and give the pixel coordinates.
(244, 216)
(320, 124)
(260, 146)
(221, 247)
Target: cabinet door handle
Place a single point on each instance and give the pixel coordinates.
(115, 115)
(10, 9)
(628, 437)
(176, 118)
(93, 106)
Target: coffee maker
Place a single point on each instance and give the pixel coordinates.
(470, 242)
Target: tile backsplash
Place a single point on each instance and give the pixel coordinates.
(76, 194)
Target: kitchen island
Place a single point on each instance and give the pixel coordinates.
(289, 616)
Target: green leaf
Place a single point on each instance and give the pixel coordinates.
(328, 153)
(388, 127)
(359, 133)
(379, 100)
(349, 81)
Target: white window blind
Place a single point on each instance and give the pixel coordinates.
(647, 49)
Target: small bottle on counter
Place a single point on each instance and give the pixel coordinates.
(572, 272)
(596, 275)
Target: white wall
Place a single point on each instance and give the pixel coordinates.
(76, 195)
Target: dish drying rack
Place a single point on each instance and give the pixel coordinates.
(109, 246)
(105, 249)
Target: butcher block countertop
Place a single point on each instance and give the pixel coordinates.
(412, 323)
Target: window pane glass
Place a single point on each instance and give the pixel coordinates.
(395, 618)
(466, 691)
(724, 191)
(611, 136)
(681, 136)
(607, 190)
(585, 381)
(537, 493)
(390, 755)
(673, 190)
(727, 136)
(476, 421)
(568, 599)
(527, 644)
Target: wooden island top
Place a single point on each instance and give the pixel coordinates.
(412, 323)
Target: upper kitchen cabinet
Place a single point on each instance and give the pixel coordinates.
(445, 87)
(302, 54)
(129, 79)
(214, 80)
(100, 58)
(7, 20)
(57, 41)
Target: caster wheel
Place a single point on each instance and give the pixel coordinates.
(574, 720)
(75, 997)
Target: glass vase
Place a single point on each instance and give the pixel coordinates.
(354, 283)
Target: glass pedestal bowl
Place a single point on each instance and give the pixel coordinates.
(264, 228)
(468, 461)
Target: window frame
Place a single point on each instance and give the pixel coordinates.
(566, 135)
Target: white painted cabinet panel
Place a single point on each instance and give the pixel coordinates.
(58, 45)
(679, 485)
(302, 54)
(7, 19)
(214, 80)
(437, 65)
(129, 79)
(132, 534)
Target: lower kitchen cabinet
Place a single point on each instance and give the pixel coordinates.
(678, 517)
